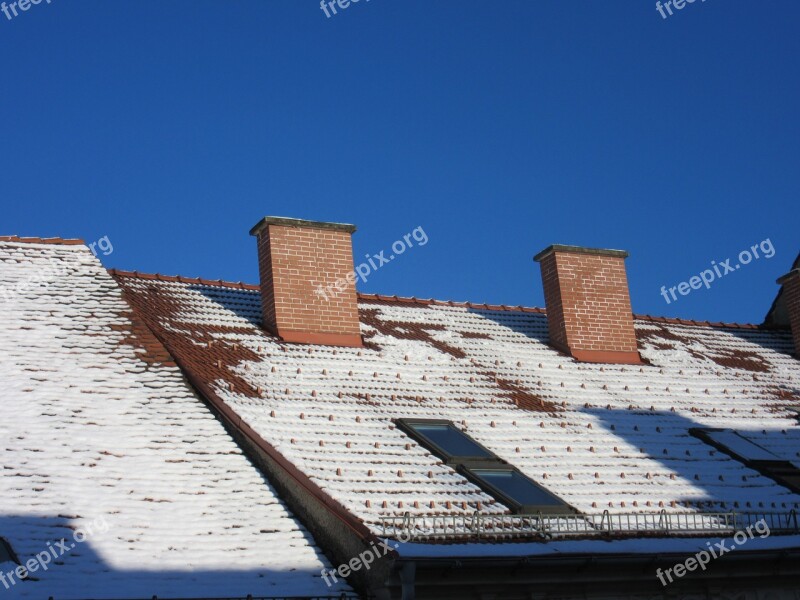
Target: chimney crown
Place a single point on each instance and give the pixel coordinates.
(579, 250)
(290, 222)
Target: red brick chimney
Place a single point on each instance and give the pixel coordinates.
(308, 292)
(588, 303)
(791, 291)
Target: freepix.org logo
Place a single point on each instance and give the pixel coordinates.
(329, 6)
(702, 558)
(54, 551)
(363, 560)
(717, 271)
(13, 9)
(373, 263)
(665, 9)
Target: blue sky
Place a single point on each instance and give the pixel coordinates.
(498, 127)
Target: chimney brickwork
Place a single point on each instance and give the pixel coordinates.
(308, 292)
(588, 303)
(791, 289)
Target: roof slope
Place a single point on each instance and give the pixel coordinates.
(98, 423)
(601, 437)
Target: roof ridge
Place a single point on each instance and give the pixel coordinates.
(181, 279)
(429, 301)
(466, 304)
(719, 324)
(38, 240)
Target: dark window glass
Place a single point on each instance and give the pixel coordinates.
(753, 455)
(482, 467)
(517, 487)
(739, 445)
(451, 440)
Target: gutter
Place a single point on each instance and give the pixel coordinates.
(589, 559)
(587, 575)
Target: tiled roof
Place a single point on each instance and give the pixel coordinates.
(599, 436)
(98, 422)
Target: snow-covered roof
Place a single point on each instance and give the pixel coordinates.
(601, 437)
(100, 429)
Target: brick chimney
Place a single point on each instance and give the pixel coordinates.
(308, 292)
(588, 303)
(791, 294)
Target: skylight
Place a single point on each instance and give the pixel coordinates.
(739, 445)
(445, 440)
(484, 468)
(516, 490)
(751, 454)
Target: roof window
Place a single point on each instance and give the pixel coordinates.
(752, 455)
(445, 440)
(483, 467)
(516, 490)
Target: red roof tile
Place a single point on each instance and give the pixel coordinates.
(37, 240)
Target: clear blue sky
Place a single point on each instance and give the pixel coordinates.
(499, 127)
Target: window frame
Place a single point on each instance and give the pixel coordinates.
(469, 467)
(407, 426)
(781, 471)
(471, 472)
(702, 433)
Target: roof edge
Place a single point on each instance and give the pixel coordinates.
(37, 240)
(180, 279)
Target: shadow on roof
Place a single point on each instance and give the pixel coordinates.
(245, 304)
(530, 324)
(663, 436)
(78, 571)
(779, 340)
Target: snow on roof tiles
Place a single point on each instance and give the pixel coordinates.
(99, 423)
(599, 436)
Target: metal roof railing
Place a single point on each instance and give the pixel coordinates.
(481, 526)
